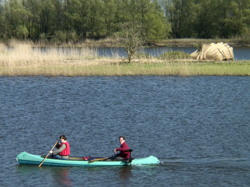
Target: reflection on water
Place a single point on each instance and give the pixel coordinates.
(199, 127)
(125, 173)
(59, 175)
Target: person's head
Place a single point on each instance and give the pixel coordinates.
(63, 138)
(121, 139)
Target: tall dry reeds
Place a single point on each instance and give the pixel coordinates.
(24, 54)
(24, 59)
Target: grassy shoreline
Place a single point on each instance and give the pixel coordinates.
(165, 69)
(24, 60)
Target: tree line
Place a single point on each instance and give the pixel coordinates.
(74, 20)
(209, 18)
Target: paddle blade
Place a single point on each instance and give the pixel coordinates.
(48, 154)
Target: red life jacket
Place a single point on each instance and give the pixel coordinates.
(66, 151)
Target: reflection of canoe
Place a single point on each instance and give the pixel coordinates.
(26, 158)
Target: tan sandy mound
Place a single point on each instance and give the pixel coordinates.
(218, 52)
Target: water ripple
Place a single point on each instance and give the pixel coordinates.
(197, 126)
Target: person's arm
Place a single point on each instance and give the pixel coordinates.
(57, 145)
(58, 151)
(123, 147)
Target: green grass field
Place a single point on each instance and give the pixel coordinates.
(175, 68)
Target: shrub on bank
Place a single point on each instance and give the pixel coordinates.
(142, 55)
(174, 55)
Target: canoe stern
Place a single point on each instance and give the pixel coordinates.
(146, 161)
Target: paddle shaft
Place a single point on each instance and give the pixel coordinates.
(101, 159)
(48, 154)
(97, 159)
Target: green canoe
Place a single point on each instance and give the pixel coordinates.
(26, 158)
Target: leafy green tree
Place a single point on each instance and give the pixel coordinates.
(174, 12)
(2, 22)
(155, 23)
(134, 10)
(81, 19)
(110, 9)
(232, 23)
(143, 9)
(32, 23)
(190, 19)
(244, 6)
(47, 17)
(182, 16)
(95, 20)
(59, 8)
(72, 19)
(209, 15)
(22, 32)
(59, 37)
(15, 18)
(150, 15)
(123, 11)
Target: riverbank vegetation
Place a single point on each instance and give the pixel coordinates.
(75, 21)
(25, 60)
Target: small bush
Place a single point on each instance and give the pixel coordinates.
(43, 38)
(22, 32)
(173, 55)
(59, 37)
(72, 36)
(141, 55)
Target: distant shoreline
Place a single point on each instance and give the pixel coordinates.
(114, 43)
(185, 42)
(26, 60)
(196, 42)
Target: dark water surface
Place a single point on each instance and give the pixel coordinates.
(199, 128)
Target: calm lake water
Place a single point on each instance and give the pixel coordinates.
(198, 127)
(240, 53)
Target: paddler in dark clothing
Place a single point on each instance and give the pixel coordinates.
(123, 153)
(63, 149)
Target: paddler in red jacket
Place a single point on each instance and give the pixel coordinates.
(123, 153)
(63, 149)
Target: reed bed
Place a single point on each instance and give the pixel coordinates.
(21, 59)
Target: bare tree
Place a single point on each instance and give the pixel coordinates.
(131, 39)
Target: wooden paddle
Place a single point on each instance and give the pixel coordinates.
(97, 159)
(48, 154)
(101, 159)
